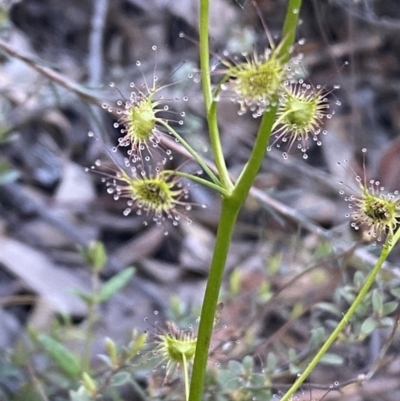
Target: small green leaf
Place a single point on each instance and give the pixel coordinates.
(377, 302)
(257, 380)
(229, 381)
(386, 322)
(293, 358)
(235, 367)
(368, 326)
(347, 294)
(67, 362)
(272, 361)
(332, 359)
(328, 307)
(137, 344)
(112, 351)
(95, 255)
(317, 337)
(362, 310)
(389, 307)
(106, 359)
(116, 283)
(248, 363)
(358, 279)
(89, 383)
(395, 292)
(84, 296)
(120, 378)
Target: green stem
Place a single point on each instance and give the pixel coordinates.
(248, 175)
(230, 209)
(232, 203)
(229, 213)
(186, 375)
(201, 181)
(193, 153)
(210, 104)
(289, 29)
(204, 53)
(216, 146)
(387, 247)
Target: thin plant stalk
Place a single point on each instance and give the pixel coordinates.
(209, 102)
(193, 153)
(186, 375)
(229, 212)
(387, 247)
(201, 181)
(233, 201)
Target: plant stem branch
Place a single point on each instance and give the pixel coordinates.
(192, 152)
(387, 247)
(210, 104)
(201, 181)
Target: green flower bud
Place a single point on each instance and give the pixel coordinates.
(160, 195)
(256, 83)
(373, 209)
(176, 347)
(300, 116)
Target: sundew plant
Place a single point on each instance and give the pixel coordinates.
(291, 114)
